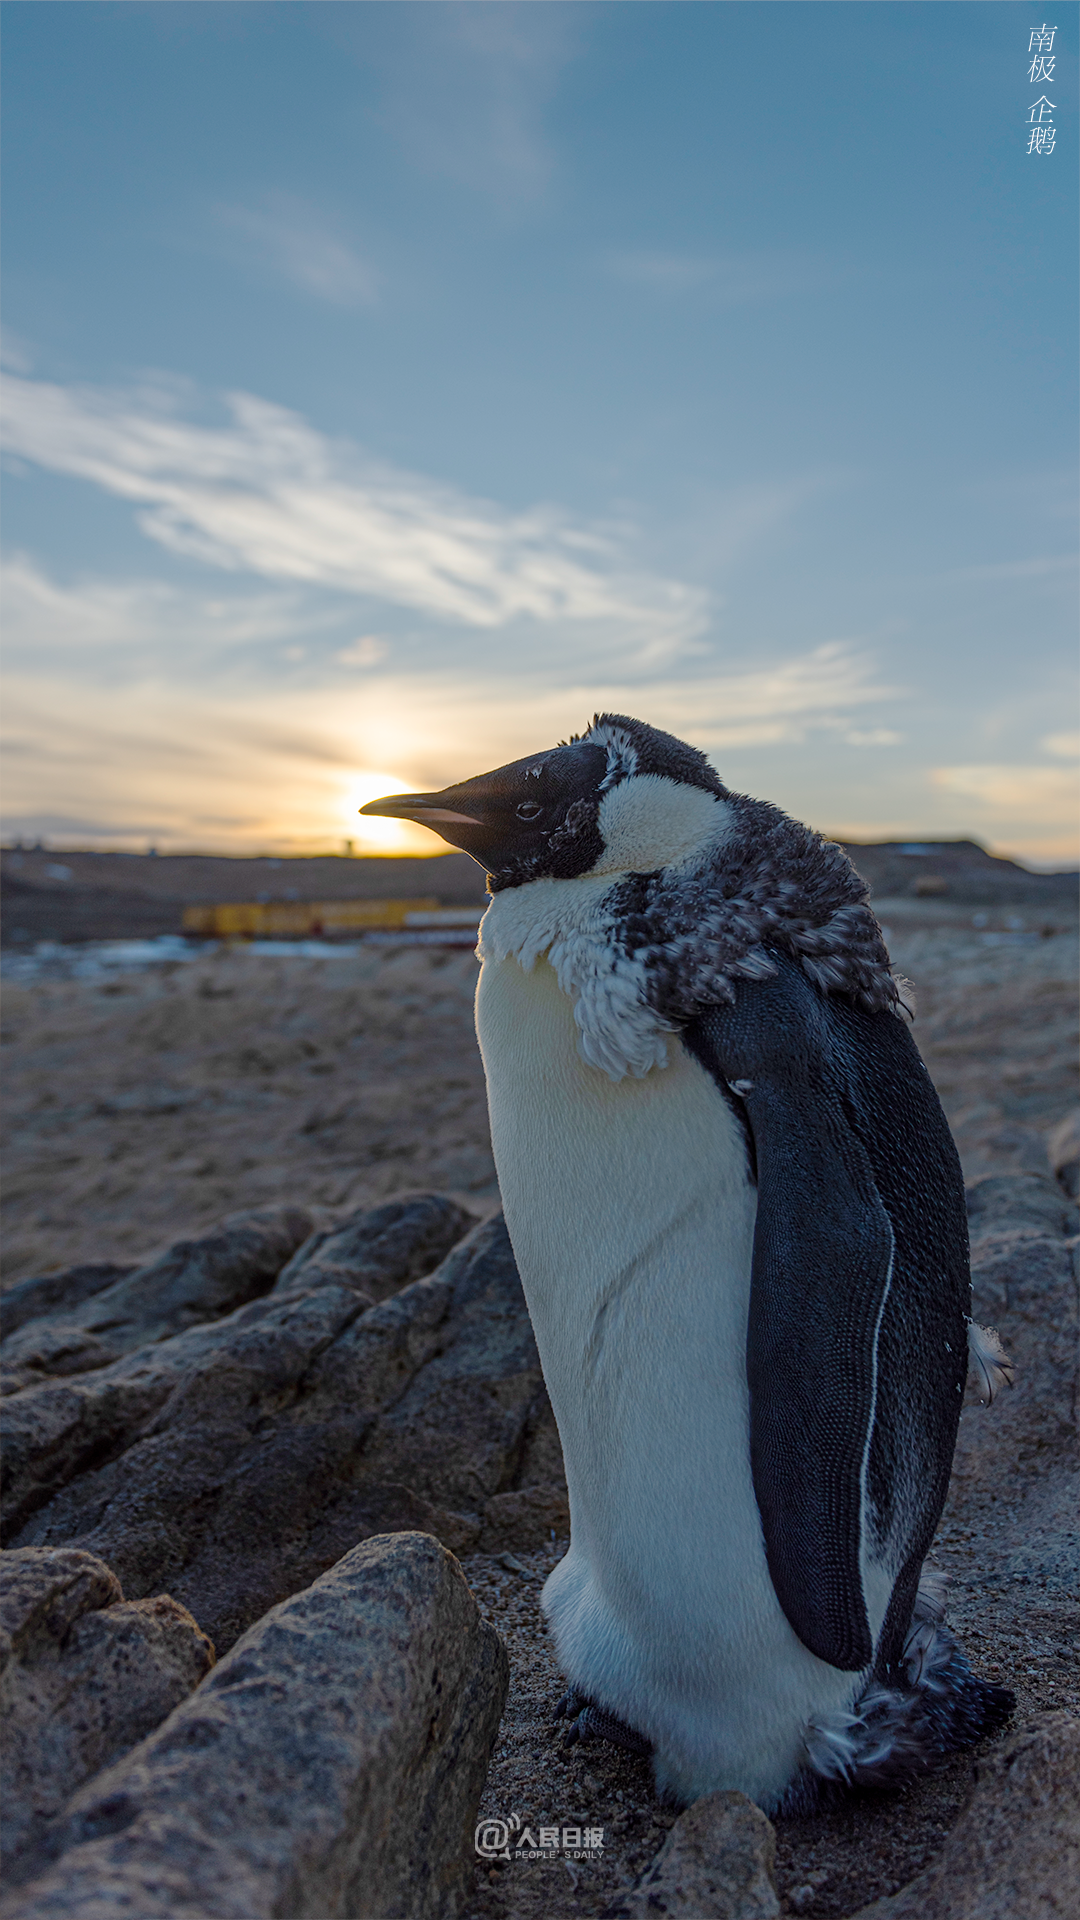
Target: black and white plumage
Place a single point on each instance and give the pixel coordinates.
(739, 1219)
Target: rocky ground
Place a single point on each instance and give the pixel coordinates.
(146, 1106)
(329, 1765)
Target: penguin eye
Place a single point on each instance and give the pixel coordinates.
(528, 810)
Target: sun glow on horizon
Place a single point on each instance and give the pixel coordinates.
(372, 835)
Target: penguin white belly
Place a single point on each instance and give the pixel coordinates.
(632, 1220)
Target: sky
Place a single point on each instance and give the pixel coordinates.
(390, 386)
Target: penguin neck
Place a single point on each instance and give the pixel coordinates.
(572, 923)
(522, 923)
(650, 825)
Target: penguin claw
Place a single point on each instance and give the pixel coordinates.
(590, 1722)
(570, 1705)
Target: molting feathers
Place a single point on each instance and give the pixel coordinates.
(990, 1367)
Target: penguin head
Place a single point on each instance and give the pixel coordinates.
(621, 798)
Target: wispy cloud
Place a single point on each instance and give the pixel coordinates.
(268, 495)
(293, 239)
(118, 631)
(368, 651)
(276, 767)
(727, 279)
(1051, 566)
(466, 88)
(216, 742)
(1032, 794)
(778, 704)
(169, 765)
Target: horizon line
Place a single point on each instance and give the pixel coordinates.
(344, 851)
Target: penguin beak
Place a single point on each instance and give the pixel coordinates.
(472, 816)
(504, 820)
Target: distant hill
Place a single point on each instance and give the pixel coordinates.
(70, 896)
(971, 876)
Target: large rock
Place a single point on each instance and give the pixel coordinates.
(235, 1462)
(378, 1251)
(1010, 1203)
(330, 1765)
(1014, 1853)
(192, 1282)
(717, 1863)
(46, 1293)
(85, 1675)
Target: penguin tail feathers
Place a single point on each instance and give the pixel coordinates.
(894, 1733)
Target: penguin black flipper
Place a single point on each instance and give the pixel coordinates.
(860, 1263)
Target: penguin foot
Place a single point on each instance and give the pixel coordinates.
(571, 1704)
(897, 1732)
(590, 1722)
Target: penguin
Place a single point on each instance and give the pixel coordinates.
(738, 1215)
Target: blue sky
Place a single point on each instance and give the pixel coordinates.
(390, 385)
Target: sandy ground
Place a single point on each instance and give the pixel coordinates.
(828, 1864)
(146, 1106)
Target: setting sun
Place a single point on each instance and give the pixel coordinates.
(384, 836)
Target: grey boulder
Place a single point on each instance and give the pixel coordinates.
(234, 1462)
(85, 1675)
(1014, 1853)
(191, 1282)
(377, 1251)
(330, 1765)
(717, 1863)
(45, 1293)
